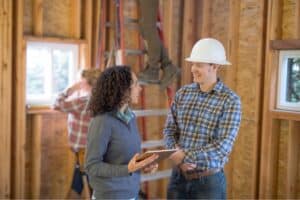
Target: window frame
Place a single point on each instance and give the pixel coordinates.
(50, 44)
(281, 103)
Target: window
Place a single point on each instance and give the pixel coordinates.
(289, 81)
(50, 68)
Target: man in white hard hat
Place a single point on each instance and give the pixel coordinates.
(203, 122)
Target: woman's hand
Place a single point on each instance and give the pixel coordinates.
(133, 165)
(151, 168)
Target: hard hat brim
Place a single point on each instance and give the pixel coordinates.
(225, 62)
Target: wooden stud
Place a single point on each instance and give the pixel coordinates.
(100, 17)
(189, 38)
(36, 154)
(231, 79)
(293, 156)
(75, 26)
(233, 44)
(37, 17)
(206, 18)
(87, 30)
(267, 175)
(297, 15)
(6, 14)
(110, 36)
(19, 101)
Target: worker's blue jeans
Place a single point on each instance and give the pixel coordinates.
(208, 187)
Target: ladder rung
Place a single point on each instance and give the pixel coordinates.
(156, 175)
(135, 51)
(109, 25)
(129, 23)
(131, 20)
(152, 143)
(152, 112)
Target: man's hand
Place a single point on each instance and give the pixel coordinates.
(177, 157)
(187, 167)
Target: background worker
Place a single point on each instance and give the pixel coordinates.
(203, 123)
(74, 101)
(113, 138)
(158, 58)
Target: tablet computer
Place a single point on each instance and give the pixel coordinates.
(162, 154)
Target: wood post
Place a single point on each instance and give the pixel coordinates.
(5, 96)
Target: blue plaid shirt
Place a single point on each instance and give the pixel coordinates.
(203, 124)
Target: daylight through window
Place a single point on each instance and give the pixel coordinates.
(50, 67)
(289, 81)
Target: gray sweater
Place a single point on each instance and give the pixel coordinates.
(111, 144)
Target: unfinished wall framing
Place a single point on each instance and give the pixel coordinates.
(266, 153)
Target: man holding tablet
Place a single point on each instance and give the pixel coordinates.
(202, 123)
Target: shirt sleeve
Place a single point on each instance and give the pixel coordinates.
(221, 146)
(99, 135)
(170, 131)
(76, 105)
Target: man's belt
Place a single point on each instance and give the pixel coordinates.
(199, 174)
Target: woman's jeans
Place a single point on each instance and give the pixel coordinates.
(207, 187)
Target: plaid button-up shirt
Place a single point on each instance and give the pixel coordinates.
(203, 124)
(78, 118)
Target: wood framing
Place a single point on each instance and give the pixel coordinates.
(290, 44)
(280, 132)
(54, 39)
(289, 115)
(6, 13)
(36, 154)
(188, 39)
(206, 18)
(265, 159)
(269, 142)
(87, 15)
(18, 112)
(75, 25)
(293, 158)
(231, 80)
(37, 17)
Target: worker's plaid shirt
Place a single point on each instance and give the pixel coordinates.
(78, 118)
(204, 124)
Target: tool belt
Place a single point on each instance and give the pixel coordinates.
(199, 174)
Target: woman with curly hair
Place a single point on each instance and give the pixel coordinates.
(113, 138)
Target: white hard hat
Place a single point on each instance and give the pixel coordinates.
(208, 50)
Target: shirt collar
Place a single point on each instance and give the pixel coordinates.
(217, 88)
(125, 116)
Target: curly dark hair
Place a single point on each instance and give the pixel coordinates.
(111, 91)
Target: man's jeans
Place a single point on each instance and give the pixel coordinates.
(207, 187)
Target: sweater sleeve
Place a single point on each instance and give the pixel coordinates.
(99, 135)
